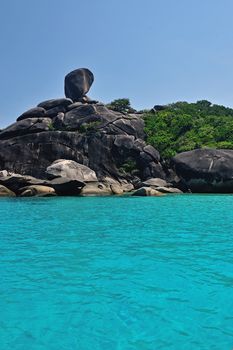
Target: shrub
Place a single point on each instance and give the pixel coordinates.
(128, 166)
(184, 126)
(89, 126)
(121, 105)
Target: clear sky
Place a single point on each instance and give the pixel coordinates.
(152, 51)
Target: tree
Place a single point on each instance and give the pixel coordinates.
(121, 105)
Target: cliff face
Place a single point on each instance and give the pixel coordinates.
(79, 129)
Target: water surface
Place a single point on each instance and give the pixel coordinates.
(117, 273)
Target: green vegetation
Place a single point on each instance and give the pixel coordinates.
(128, 166)
(89, 126)
(121, 105)
(51, 126)
(184, 126)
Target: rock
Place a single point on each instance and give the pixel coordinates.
(126, 185)
(66, 187)
(61, 102)
(74, 105)
(86, 99)
(16, 181)
(78, 83)
(110, 143)
(36, 112)
(151, 151)
(168, 190)
(53, 112)
(159, 108)
(95, 189)
(37, 190)
(71, 170)
(4, 173)
(205, 170)
(134, 126)
(5, 192)
(31, 153)
(146, 191)
(117, 186)
(155, 182)
(116, 189)
(26, 126)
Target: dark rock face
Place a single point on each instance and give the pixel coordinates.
(26, 126)
(206, 170)
(78, 83)
(36, 112)
(61, 102)
(77, 130)
(88, 135)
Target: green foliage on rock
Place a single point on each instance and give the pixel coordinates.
(184, 126)
(128, 166)
(121, 105)
(89, 126)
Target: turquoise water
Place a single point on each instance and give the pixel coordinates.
(117, 273)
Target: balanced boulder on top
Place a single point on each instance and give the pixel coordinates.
(78, 83)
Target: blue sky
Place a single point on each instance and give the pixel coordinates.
(152, 51)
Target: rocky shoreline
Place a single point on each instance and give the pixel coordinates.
(77, 146)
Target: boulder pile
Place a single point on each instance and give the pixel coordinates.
(76, 145)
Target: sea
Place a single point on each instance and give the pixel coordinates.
(116, 273)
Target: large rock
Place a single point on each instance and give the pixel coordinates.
(106, 154)
(66, 187)
(26, 126)
(96, 189)
(37, 190)
(205, 170)
(61, 185)
(147, 192)
(71, 170)
(6, 192)
(61, 102)
(155, 182)
(16, 181)
(110, 143)
(78, 83)
(36, 112)
(168, 190)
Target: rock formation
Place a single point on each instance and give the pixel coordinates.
(74, 145)
(78, 83)
(79, 132)
(206, 170)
